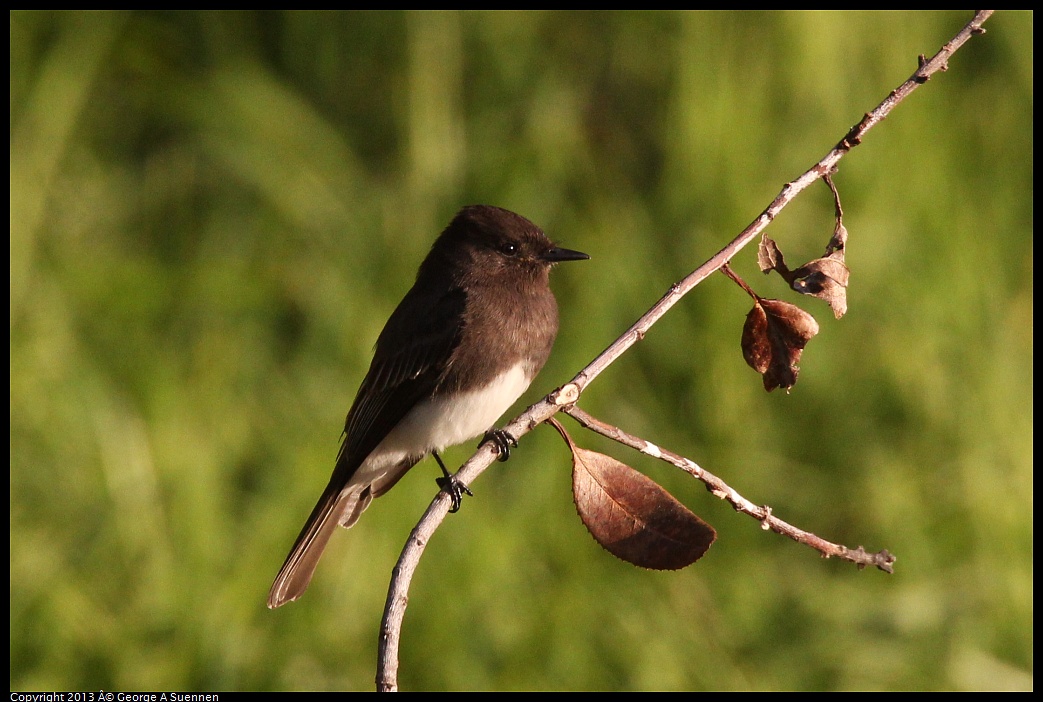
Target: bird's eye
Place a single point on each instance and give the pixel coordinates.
(509, 249)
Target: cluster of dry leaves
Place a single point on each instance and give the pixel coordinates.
(629, 514)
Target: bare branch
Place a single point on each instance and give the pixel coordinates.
(882, 560)
(387, 672)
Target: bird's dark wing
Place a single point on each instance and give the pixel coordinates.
(402, 372)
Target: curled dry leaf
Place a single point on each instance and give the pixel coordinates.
(773, 338)
(632, 517)
(769, 257)
(826, 279)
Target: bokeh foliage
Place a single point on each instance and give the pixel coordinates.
(212, 214)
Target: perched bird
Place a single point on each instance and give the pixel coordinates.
(461, 347)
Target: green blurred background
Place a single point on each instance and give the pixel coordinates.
(212, 215)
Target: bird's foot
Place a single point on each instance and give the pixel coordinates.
(451, 485)
(502, 441)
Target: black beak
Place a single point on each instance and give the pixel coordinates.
(555, 255)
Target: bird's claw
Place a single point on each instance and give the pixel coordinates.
(502, 441)
(451, 485)
(456, 490)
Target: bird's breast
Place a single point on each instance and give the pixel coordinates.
(449, 419)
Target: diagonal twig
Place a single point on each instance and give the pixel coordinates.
(718, 488)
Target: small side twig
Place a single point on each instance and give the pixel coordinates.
(718, 488)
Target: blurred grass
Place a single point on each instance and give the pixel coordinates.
(212, 214)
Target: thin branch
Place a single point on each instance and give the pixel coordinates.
(394, 612)
(789, 191)
(882, 560)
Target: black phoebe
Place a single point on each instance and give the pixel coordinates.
(461, 347)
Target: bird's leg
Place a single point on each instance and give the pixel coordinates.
(450, 484)
(503, 442)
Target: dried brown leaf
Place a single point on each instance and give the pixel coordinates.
(773, 339)
(632, 517)
(826, 279)
(770, 258)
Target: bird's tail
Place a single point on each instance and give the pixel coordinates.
(333, 508)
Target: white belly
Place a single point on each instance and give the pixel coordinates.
(441, 422)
